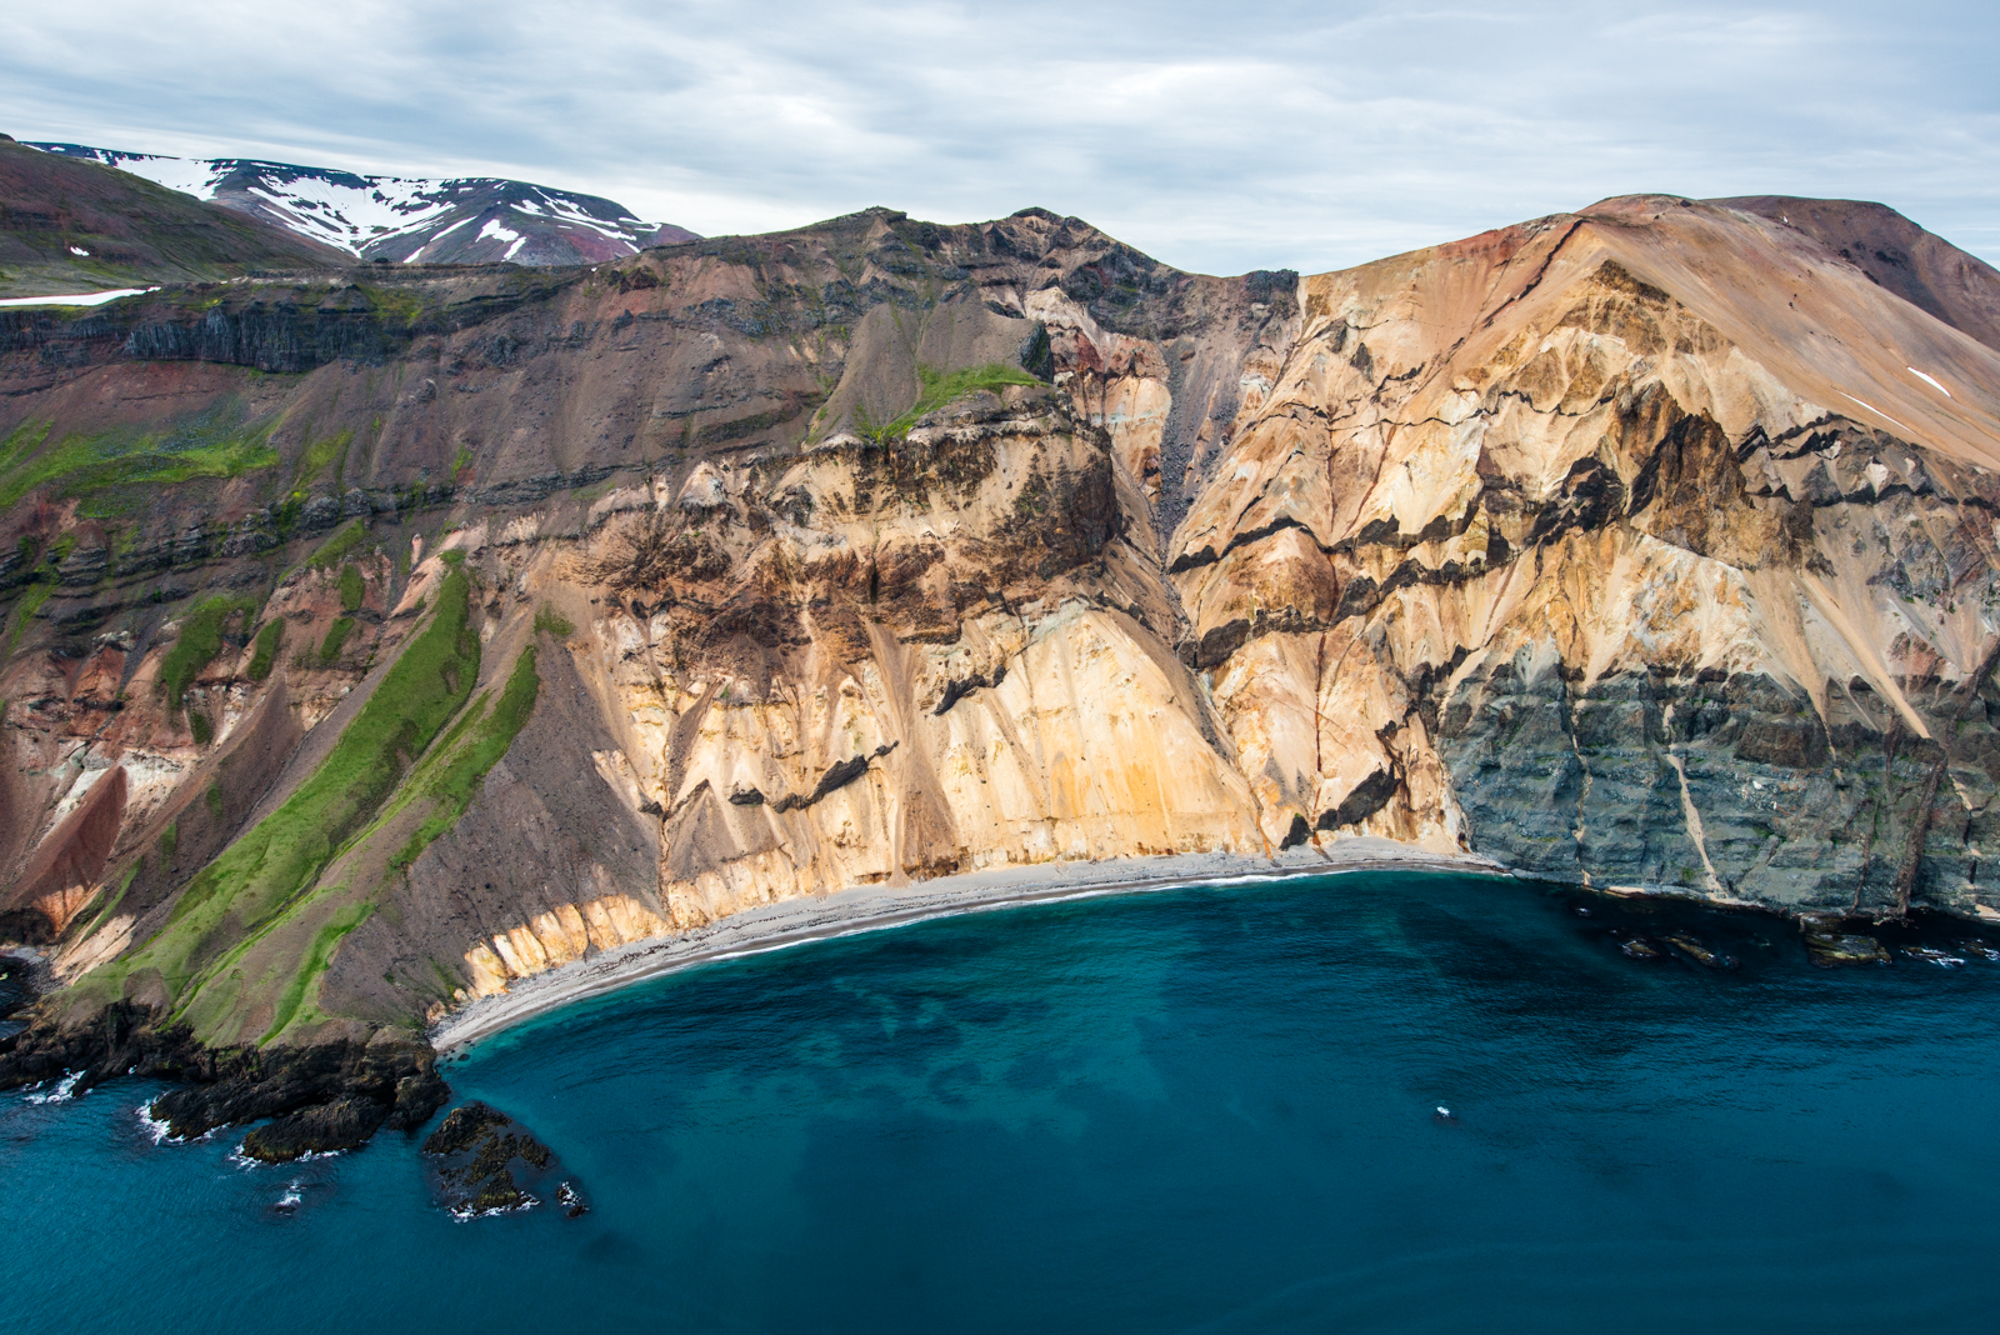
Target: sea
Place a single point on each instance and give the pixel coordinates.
(1392, 1102)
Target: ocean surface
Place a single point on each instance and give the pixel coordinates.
(1208, 1109)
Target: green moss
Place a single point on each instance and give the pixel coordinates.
(317, 957)
(352, 588)
(321, 455)
(200, 641)
(103, 915)
(336, 638)
(939, 388)
(554, 622)
(213, 796)
(453, 773)
(31, 602)
(269, 639)
(267, 874)
(88, 467)
(201, 726)
(336, 548)
(170, 841)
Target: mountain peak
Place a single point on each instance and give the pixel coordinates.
(464, 220)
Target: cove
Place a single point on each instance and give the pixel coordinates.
(1207, 1109)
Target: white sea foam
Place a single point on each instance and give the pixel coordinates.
(156, 1127)
(463, 1213)
(64, 1091)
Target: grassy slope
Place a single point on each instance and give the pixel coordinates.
(94, 469)
(432, 798)
(200, 641)
(249, 888)
(938, 388)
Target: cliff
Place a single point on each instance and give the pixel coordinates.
(376, 639)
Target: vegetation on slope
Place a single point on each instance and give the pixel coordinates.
(200, 641)
(352, 589)
(102, 470)
(335, 548)
(939, 388)
(445, 781)
(245, 891)
(269, 640)
(453, 773)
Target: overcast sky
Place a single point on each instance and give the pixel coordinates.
(1217, 137)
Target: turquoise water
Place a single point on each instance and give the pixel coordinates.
(1198, 1110)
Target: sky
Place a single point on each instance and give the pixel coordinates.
(1219, 137)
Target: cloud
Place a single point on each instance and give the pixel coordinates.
(1259, 134)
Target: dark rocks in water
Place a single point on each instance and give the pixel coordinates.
(1831, 947)
(1942, 958)
(463, 1127)
(1981, 949)
(571, 1200)
(322, 1129)
(312, 1089)
(1639, 948)
(479, 1149)
(1693, 948)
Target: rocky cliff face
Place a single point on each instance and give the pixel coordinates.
(375, 642)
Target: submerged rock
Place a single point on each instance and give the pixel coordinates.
(1699, 953)
(1942, 958)
(1831, 947)
(571, 1200)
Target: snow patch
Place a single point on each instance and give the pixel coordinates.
(79, 250)
(1873, 409)
(1928, 381)
(79, 298)
(493, 228)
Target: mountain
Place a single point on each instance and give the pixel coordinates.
(471, 220)
(378, 639)
(71, 227)
(1926, 271)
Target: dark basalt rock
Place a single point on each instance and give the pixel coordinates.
(1831, 947)
(479, 1150)
(322, 1093)
(328, 1127)
(1693, 949)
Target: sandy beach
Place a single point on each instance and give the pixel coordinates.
(877, 908)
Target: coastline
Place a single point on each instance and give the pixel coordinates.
(797, 922)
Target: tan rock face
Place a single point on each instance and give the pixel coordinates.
(1648, 546)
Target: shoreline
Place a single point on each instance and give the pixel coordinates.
(796, 922)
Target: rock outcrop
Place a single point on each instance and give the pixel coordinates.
(442, 628)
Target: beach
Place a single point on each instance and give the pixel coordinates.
(877, 908)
